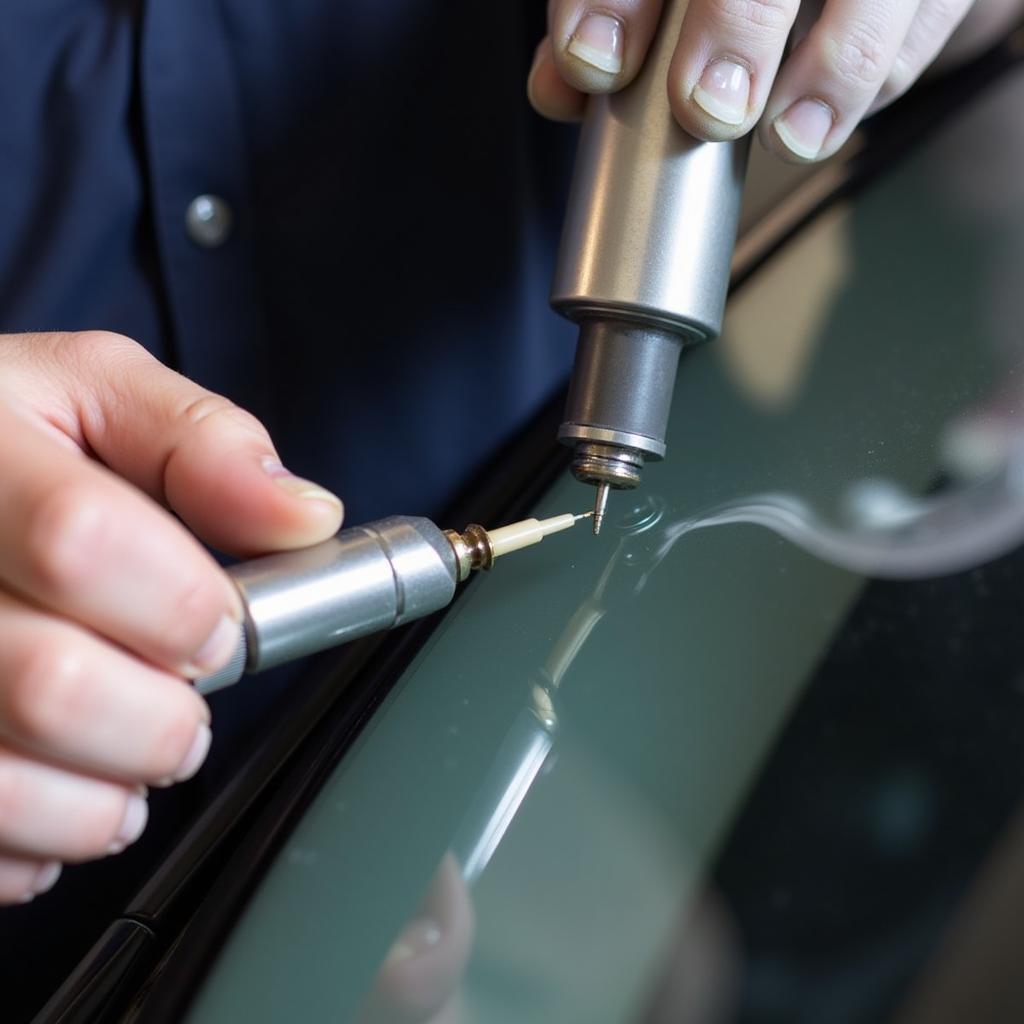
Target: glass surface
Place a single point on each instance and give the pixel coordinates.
(694, 774)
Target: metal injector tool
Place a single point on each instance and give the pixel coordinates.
(643, 266)
(366, 579)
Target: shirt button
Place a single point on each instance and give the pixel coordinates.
(208, 221)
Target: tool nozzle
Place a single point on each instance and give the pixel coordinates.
(477, 548)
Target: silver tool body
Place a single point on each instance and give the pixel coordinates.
(643, 266)
(364, 580)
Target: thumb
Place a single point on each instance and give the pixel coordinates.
(211, 461)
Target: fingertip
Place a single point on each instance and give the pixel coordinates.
(600, 46)
(246, 503)
(311, 513)
(317, 516)
(220, 645)
(548, 92)
(299, 487)
(133, 823)
(803, 133)
(21, 880)
(716, 106)
(705, 127)
(592, 57)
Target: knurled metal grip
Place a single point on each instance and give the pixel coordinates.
(231, 672)
(621, 389)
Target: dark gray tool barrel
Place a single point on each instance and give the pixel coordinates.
(621, 388)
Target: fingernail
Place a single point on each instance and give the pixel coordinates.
(597, 41)
(47, 877)
(296, 486)
(136, 814)
(417, 937)
(723, 91)
(804, 127)
(218, 647)
(193, 760)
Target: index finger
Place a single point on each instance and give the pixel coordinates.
(77, 540)
(211, 461)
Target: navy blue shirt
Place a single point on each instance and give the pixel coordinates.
(380, 301)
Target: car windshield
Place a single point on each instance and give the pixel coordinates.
(711, 765)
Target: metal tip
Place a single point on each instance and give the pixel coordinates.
(582, 515)
(600, 504)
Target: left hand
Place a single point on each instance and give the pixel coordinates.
(727, 73)
(107, 603)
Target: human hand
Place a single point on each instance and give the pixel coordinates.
(106, 601)
(419, 981)
(855, 57)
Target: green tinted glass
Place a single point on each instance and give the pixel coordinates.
(522, 831)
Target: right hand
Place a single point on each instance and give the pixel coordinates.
(728, 70)
(107, 603)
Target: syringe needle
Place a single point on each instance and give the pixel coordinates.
(600, 504)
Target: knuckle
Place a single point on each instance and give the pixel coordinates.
(54, 355)
(760, 15)
(858, 57)
(84, 350)
(95, 342)
(47, 694)
(103, 365)
(66, 538)
(215, 410)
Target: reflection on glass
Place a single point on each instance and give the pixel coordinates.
(521, 757)
(402, 993)
(890, 534)
(422, 972)
(696, 769)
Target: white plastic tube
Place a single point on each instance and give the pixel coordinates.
(527, 532)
